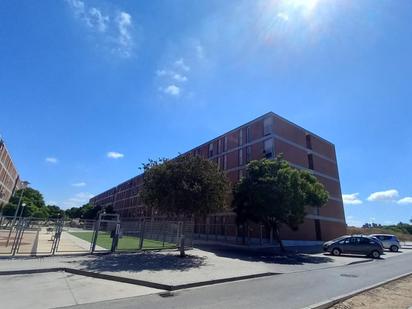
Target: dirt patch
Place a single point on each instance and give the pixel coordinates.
(394, 295)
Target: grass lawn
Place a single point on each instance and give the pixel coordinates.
(125, 243)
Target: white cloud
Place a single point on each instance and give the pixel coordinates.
(124, 24)
(79, 184)
(77, 200)
(52, 160)
(200, 53)
(180, 63)
(114, 155)
(174, 75)
(77, 6)
(96, 20)
(283, 16)
(351, 199)
(383, 196)
(179, 78)
(172, 90)
(114, 30)
(405, 200)
(162, 72)
(92, 17)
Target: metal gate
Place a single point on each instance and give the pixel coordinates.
(26, 236)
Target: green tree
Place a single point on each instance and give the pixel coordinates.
(87, 211)
(274, 193)
(74, 212)
(185, 186)
(54, 212)
(31, 197)
(9, 209)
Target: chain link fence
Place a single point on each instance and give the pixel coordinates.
(247, 234)
(33, 236)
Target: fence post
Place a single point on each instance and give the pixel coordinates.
(96, 233)
(57, 235)
(178, 234)
(181, 240)
(142, 230)
(115, 239)
(163, 233)
(17, 240)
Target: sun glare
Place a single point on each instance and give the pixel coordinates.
(305, 7)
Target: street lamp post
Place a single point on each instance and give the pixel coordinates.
(24, 186)
(22, 210)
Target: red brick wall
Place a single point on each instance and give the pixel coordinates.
(290, 132)
(332, 186)
(332, 230)
(291, 153)
(320, 146)
(325, 167)
(332, 209)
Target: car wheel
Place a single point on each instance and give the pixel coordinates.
(375, 254)
(394, 248)
(336, 251)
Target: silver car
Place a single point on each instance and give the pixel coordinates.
(355, 244)
(388, 241)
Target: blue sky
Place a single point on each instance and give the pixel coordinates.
(148, 79)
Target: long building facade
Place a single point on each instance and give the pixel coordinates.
(264, 137)
(9, 177)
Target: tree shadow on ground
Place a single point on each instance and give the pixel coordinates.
(137, 262)
(291, 257)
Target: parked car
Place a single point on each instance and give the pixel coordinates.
(389, 241)
(355, 244)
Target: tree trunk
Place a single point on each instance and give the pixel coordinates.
(277, 236)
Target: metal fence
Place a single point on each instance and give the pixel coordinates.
(33, 236)
(248, 234)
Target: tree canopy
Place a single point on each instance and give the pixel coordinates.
(185, 186)
(274, 193)
(34, 205)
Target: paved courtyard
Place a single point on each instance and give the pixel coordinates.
(166, 267)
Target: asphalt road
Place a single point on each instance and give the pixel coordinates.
(295, 290)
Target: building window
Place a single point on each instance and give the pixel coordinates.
(210, 150)
(268, 148)
(248, 154)
(310, 161)
(219, 146)
(225, 162)
(248, 135)
(241, 137)
(308, 141)
(240, 157)
(225, 144)
(219, 163)
(267, 126)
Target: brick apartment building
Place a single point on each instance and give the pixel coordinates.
(9, 178)
(265, 136)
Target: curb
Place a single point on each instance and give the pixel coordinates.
(333, 301)
(360, 262)
(145, 283)
(224, 280)
(30, 271)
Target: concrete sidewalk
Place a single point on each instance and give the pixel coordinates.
(169, 269)
(59, 289)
